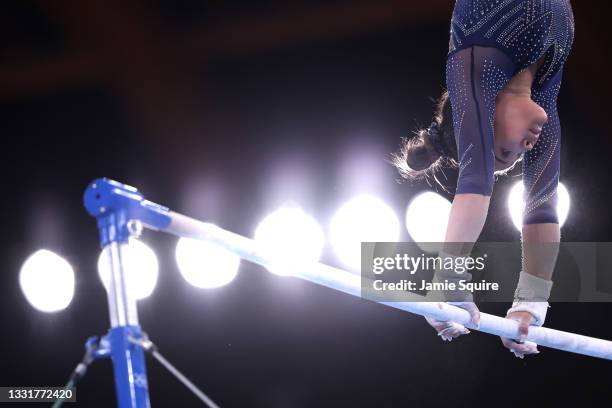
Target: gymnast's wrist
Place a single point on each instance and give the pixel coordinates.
(531, 295)
(446, 272)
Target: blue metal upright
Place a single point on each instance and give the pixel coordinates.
(120, 211)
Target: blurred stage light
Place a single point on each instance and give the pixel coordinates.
(360, 166)
(427, 217)
(141, 268)
(47, 281)
(291, 237)
(204, 264)
(516, 204)
(363, 219)
(563, 203)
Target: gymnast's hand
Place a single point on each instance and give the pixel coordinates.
(450, 330)
(521, 348)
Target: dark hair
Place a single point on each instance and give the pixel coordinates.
(422, 155)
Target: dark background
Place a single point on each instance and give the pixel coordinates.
(204, 106)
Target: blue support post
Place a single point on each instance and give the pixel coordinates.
(129, 367)
(120, 211)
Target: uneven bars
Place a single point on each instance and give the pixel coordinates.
(350, 283)
(116, 206)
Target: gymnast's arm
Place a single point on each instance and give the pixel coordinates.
(473, 76)
(540, 232)
(465, 222)
(539, 260)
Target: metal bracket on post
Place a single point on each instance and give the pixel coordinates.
(120, 211)
(114, 205)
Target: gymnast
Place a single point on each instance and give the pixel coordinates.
(503, 74)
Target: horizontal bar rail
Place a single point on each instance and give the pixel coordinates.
(350, 283)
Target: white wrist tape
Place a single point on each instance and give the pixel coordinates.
(537, 310)
(532, 288)
(452, 275)
(531, 296)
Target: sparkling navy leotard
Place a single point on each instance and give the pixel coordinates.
(490, 42)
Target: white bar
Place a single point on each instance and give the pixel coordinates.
(350, 283)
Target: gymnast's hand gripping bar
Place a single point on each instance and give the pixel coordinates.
(117, 206)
